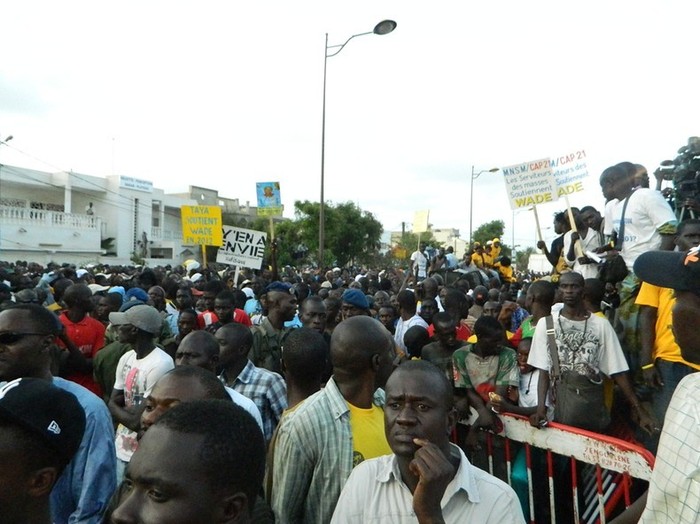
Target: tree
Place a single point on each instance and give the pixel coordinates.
(488, 231)
(351, 234)
(409, 242)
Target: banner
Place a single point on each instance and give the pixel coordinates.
(269, 198)
(530, 183)
(569, 171)
(420, 221)
(201, 225)
(242, 247)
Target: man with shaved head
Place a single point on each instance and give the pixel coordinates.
(335, 429)
(201, 349)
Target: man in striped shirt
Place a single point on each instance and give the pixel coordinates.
(335, 429)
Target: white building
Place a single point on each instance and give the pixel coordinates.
(81, 219)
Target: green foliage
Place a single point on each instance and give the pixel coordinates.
(351, 234)
(409, 241)
(489, 231)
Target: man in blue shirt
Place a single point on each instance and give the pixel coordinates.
(83, 490)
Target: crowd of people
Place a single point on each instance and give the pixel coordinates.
(180, 394)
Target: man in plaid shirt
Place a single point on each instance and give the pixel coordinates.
(265, 388)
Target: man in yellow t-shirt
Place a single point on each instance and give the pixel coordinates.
(478, 256)
(488, 254)
(496, 248)
(368, 437)
(662, 365)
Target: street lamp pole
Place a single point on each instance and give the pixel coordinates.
(471, 197)
(382, 28)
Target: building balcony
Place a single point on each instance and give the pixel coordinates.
(167, 235)
(31, 230)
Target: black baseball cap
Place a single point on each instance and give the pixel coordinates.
(51, 413)
(671, 269)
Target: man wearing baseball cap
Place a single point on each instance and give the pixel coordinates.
(673, 489)
(81, 493)
(137, 372)
(41, 427)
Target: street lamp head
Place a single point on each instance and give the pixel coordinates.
(493, 170)
(384, 27)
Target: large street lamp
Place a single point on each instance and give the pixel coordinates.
(471, 197)
(382, 28)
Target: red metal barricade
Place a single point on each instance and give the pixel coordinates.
(602, 467)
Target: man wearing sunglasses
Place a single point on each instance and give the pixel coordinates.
(82, 492)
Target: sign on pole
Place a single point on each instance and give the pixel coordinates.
(420, 221)
(269, 198)
(242, 247)
(201, 225)
(530, 183)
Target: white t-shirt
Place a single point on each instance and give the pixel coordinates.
(136, 377)
(595, 350)
(421, 261)
(608, 217)
(646, 211)
(590, 243)
(403, 325)
(247, 404)
(527, 392)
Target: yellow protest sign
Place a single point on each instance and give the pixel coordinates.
(201, 225)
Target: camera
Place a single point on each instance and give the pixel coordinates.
(684, 172)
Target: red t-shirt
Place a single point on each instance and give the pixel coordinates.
(462, 332)
(89, 337)
(209, 317)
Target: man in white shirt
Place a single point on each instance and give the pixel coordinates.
(649, 224)
(427, 479)
(137, 372)
(408, 316)
(419, 266)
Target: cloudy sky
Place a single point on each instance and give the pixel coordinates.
(226, 94)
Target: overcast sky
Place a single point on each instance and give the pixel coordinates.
(226, 94)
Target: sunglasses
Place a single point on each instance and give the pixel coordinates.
(12, 337)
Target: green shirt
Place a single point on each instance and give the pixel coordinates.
(485, 374)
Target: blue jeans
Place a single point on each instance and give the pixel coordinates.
(671, 373)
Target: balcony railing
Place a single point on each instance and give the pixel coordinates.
(158, 233)
(26, 216)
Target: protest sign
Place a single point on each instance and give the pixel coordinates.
(242, 247)
(201, 225)
(269, 198)
(420, 221)
(530, 183)
(569, 171)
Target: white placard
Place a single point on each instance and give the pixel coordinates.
(530, 183)
(242, 247)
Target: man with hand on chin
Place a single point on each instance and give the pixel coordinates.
(427, 479)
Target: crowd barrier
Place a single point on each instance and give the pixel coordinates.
(602, 467)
